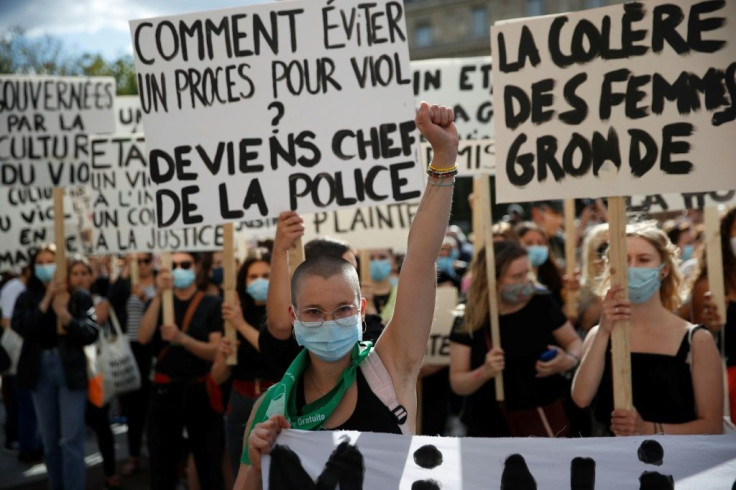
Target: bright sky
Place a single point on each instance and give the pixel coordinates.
(97, 25)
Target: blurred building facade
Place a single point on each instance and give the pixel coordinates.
(455, 28)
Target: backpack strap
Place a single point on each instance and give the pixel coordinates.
(379, 380)
(187, 320)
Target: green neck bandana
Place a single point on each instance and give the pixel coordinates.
(281, 397)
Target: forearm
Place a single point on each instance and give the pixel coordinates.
(203, 350)
(468, 382)
(589, 374)
(149, 320)
(248, 479)
(279, 296)
(713, 425)
(249, 332)
(220, 370)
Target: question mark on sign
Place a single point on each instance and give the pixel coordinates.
(279, 113)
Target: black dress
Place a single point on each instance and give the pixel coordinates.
(661, 385)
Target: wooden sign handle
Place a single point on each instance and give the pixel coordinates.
(133, 271)
(714, 256)
(571, 297)
(296, 255)
(231, 297)
(60, 242)
(478, 214)
(483, 200)
(167, 295)
(620, 349)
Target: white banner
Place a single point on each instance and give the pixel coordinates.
(617, 101)
(355, 460)
(27, 222)
(287, 105)
(128, 115)
(44, 123)
(438, 345)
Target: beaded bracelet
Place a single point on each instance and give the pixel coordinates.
(449, 184)
(442, 172)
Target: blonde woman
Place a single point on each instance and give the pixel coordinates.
(676, 374)
(595, 246)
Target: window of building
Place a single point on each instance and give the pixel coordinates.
(534, 7)
(424, 35)
(591, 4)
(480, 21)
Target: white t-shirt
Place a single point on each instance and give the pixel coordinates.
(9, 294)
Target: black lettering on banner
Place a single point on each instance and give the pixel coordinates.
(579, 110)
(525, 161)
(651, 452)
(546, 157)
(516, 474)
(605, 149)
(582, 474)
(728, 114)
(513, 93)
(641, 164)
(527, 50)
(344, 469)
(665, 20)
(152, 92)
(696, 26)
(432, 80)
(669, 146)
(541, 98)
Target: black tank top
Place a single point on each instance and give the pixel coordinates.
(370, 414)
(662, 387)
(730, 332)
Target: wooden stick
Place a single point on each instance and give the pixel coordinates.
(296, 255)
(365, 267)
(620, 350)
(571, 297)
(167, 295)
(485, 208)
(135, 275)
(60, 242)
(231, 297)
(478, 215)
(714, 255)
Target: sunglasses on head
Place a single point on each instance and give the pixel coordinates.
(144, 261)
(185, 264)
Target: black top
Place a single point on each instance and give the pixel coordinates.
(251, 363)
(730, 332)
(370, 414)
(38, 330)
(178, 362)
(525, 335)
(661, 386)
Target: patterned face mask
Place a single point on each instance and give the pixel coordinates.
(514, 294)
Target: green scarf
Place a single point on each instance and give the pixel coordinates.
(281, 397)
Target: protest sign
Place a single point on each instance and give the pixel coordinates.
(621, 100)
(463, 84)
(44, 122)
(124, 214)
(474, 157)
(363, 460)
(438, 345)
(27, 222)
(128, 115)
(376, 227)
(277, 106)
(659, 203)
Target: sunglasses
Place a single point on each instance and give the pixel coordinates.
(144, 261)
(186, 264)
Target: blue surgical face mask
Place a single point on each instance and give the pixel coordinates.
(258, 289)
(538, 254)
(183, 278)
(454, 253)
(330, 341)
(643, 282)
(687, 252)
(380, 269)
(446, 265)
(45, 272)
(217, 275)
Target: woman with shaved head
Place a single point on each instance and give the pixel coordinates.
(337, 381)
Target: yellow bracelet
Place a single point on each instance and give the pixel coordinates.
(436, 170)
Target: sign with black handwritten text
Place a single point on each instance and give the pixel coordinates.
(660, 203)
(128, 115)
(289, 105)
(27, 223)
(623, 100)
(365, 460)
(44, 123)
(474, 157)
(372, 227)
(463, 84)
(438, 345)
(123, 205)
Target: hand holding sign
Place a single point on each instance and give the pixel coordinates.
(262, 438)
(614, 310)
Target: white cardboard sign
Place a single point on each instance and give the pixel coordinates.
(658, 203)
(438, 345)
(616, 101)
(288, 105)
(365, 460)
(44, 123)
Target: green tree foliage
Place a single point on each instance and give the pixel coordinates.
(46, 55)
